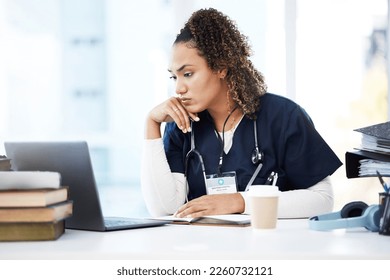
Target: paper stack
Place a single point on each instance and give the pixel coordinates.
(373, 154)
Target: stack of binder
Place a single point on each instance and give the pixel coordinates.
(373, 154)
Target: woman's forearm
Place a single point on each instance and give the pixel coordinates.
(164, 192)
(303, 203)
(152, 129)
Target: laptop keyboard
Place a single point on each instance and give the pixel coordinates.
(118, 223)
(113, 223)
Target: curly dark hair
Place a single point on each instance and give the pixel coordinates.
(219, 41)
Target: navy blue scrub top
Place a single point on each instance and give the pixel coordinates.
(291, 145)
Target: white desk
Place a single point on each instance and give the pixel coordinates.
(291, 240)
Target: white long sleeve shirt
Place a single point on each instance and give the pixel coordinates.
(164, 192)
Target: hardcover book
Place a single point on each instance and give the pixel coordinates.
(31, 231)
(51, 213)
(32, 197)
(29, 179)
(5, 163)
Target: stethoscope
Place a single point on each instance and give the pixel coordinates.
(257, 156)
(193, 151)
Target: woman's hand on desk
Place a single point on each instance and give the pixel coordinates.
(215, 204)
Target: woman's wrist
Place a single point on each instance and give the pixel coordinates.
(152, 130)
(239, 203)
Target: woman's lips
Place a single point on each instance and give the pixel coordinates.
(185, 101)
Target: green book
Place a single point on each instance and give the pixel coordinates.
(31, 231)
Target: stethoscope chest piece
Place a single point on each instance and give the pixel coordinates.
(257, 156)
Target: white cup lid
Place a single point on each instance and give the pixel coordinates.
(263, 190)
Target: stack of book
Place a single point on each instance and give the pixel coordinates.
(33, 206)
(373, 154)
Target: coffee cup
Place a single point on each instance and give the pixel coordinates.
(263, 206)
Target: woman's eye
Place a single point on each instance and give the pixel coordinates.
(172, 77)
(187, 74)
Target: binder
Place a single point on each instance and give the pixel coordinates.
(375, 145)
(352, 163)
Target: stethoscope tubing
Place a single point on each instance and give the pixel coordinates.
(257, 157)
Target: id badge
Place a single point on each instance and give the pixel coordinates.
(226, 183)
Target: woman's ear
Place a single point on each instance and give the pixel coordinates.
(222, 73)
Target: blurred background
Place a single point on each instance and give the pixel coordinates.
(92, 69)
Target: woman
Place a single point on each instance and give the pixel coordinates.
(223, 117)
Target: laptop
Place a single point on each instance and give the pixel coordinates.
(72, 160)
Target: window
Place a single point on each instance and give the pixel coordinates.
(341, 77)
(92, 69)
